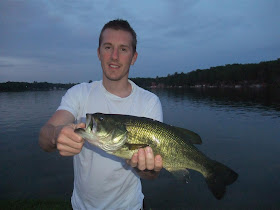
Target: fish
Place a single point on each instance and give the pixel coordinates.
(123, 135)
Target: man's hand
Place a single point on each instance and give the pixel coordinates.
(147, 164)
(68, 143)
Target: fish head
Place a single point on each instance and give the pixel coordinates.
(89, 132)
(103, 132)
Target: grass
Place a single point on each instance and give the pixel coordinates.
(35, 204)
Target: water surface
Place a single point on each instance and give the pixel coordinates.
(239, 128)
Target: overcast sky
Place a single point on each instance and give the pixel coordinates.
(57, 40)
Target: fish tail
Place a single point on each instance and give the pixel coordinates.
(219, 177)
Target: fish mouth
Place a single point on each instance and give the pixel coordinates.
(91, 125)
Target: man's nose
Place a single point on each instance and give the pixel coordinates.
(115, 54)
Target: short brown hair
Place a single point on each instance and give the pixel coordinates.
(120, 24)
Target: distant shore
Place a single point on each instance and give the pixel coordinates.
(35, 86)
(44, 86)
(263, 74)
(35, 204)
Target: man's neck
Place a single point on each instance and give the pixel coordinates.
(118, 88)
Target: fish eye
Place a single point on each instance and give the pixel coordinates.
(115, 140)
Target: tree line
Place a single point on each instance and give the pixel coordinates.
(35, 86)
(231, 75)
(261, 74)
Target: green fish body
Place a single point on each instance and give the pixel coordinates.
(123, 135)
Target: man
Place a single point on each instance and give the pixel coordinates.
(103, 181)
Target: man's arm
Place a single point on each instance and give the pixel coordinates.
(58, 133)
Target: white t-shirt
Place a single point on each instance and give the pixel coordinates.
(103, 181)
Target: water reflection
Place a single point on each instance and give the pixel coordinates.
(266, 100)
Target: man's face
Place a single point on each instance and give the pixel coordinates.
(116, 54)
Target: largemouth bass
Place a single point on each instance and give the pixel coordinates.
(123, 135)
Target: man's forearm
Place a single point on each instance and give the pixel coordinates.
(47, 138)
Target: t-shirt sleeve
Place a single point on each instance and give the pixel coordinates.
(71, 101)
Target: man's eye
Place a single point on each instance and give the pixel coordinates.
(123, 49)
(107, 47)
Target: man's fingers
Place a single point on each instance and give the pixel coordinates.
(67, 151)
(63, 140)
(145, 159)
(150, 161)
(68, 142)
(68, 131)
(80, 125)
(158, 163)
(141, 159)
(133, 161)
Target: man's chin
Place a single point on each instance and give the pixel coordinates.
(113, 77)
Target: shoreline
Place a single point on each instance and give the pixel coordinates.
(35, 204)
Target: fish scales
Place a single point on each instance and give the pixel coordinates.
(175, 150)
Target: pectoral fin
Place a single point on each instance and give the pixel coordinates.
(135, 146)
(127, 150)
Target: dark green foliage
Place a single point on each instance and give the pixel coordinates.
(263, 73)
(25, 86)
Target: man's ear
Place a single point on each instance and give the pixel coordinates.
(98, 53)
(134, 58)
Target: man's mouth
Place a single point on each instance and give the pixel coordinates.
(114, 66)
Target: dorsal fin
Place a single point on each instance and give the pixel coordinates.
(193, 137)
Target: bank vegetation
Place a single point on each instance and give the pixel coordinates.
(228, 76)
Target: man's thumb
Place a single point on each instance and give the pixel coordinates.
(81, 125)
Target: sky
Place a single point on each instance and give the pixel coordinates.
(57, 40)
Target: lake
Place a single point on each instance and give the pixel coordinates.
(238, 127)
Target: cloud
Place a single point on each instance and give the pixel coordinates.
(57, 40)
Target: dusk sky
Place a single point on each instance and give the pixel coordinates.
(57, 40)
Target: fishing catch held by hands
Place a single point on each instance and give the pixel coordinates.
(123, 135)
